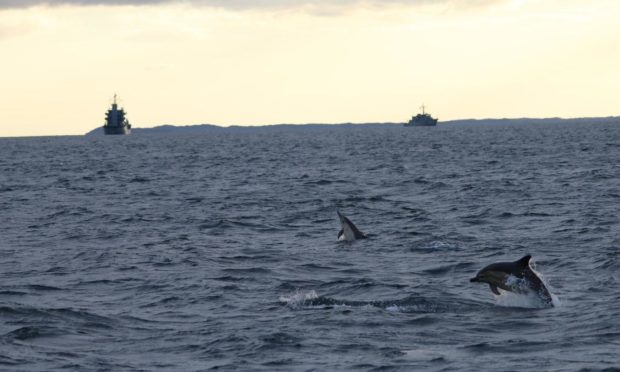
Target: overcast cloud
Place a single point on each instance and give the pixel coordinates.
(235, 4)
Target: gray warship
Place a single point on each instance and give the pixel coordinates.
(421, 120)
(115, 121)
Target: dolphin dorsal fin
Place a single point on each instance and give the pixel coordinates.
(525, 261)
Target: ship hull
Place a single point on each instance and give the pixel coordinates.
(427, 124)
(116, 130)
(421, 123)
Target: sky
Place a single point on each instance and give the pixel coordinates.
(257, 62)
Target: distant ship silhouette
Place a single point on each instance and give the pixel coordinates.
(421, 120)
(115, 121)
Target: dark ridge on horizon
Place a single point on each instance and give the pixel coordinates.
(206, 128)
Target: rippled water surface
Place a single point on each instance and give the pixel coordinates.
(219, 250)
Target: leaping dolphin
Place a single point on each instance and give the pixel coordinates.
(348, 232)
(517, 277)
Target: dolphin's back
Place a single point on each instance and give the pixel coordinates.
(515, 268)
(358, 234)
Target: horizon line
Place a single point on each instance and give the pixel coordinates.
(258, 126)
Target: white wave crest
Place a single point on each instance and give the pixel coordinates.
(395, 308)
(299, 298)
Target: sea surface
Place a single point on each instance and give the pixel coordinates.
(219, 251)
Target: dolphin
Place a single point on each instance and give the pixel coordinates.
(517, 277)
(348, 232)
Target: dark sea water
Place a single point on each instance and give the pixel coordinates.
(190, 253)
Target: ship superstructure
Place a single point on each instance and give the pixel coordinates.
(422, 120)
(115, 120)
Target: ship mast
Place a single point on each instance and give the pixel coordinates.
(422, 107)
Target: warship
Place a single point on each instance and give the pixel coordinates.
(115, 121)
(421, 120)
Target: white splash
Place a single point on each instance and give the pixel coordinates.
(524, 297)
(299, 299)
(555, 300)
(519, 284)
(510, 299)
(394, 308)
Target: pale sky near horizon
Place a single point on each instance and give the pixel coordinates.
(243, 62)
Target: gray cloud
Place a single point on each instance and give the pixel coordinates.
(236, 4)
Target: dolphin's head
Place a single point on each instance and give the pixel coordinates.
(491, 275)
(499, 274)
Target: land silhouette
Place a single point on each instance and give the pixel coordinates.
(209, 128)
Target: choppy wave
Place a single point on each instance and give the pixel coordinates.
(411, 304)
(219, 251)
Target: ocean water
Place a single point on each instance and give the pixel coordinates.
(219, 251)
